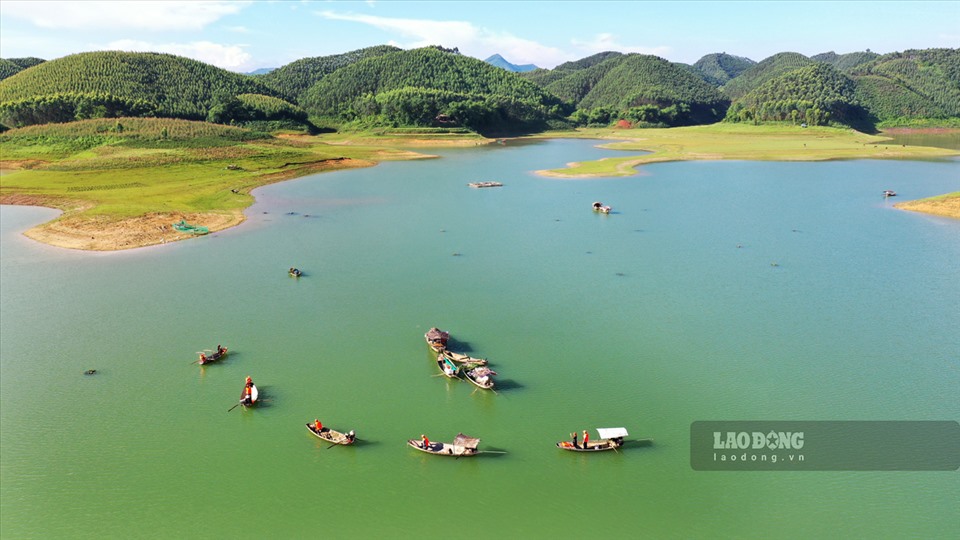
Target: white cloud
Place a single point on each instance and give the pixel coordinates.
(230, 57)
(608, 42)
(143, 15)
(469, 39)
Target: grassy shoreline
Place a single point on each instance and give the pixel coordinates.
(122, 192)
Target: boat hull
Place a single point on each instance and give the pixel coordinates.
(331, 436)
(443, 449)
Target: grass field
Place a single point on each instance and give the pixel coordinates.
(121, 183)
(736, 142)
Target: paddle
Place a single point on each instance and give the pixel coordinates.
(232, 408)
(331, 446)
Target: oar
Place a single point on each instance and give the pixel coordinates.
(331, 446)
(232, 408)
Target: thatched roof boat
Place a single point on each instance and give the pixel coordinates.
(437, 339)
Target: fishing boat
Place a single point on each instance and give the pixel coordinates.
(204, 359)
(252, 399)
(447, 367)
(295, 272)
(480, 376)
(333, 436)
(484, 184)
(599, 207)
(610, 439)
(462, 446)
(460, 358)
(889, 193)
(437, 339)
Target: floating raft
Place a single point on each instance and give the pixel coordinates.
(184, 227)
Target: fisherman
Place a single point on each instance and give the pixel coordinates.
(424, 441)
(248, 395)
(574, 435)
(351, 436)
(586, 439)
(317, 425)
(249, 382)
(203, 358)
(219, 349)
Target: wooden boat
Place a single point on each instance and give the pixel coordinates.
(447, 367)
(204, 359)
(295, 272)
(480, 376)
(599, 207)
(610, 439)
(462, 358)
(462, 446)
(332, 436)
(889, 193)
(254, 395)
(484, 184)
(437, 339)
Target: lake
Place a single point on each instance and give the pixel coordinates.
(713, 291)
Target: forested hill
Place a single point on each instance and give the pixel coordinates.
(766, 70)
(163, 84)
(440, 88)
(845, 62)
(900, 86)
(12, 66)
(293, 79)
(642, 89)
(860, 89)
(717, 69)
(430, 86)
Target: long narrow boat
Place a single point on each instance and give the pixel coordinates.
(462, 358)
(480, 376)
(447, 367)
(204, 359)
(333, 436)
(252, 400)
(610, 439)
(462, 446)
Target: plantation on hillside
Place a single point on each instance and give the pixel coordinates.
(718, 69)
(173, 86)
(438, 87)
(764, 71)
(845, 62)
(815, 94)
(902, 87)
(293, 79)
(650, 90)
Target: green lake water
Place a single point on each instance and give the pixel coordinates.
(713, 291)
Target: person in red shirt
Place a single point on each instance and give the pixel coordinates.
(425, 441)
(317, 425)
(586, 439)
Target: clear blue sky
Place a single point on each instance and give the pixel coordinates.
(246, 35)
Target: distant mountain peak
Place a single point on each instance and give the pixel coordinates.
(501, 62)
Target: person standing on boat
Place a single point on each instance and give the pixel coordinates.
(425, 441)
(249, 381)
(317, 425)
(586, 439)
(574, 435)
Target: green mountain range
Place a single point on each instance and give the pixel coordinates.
(434, 88)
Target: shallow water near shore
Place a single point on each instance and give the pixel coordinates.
(713, 291)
